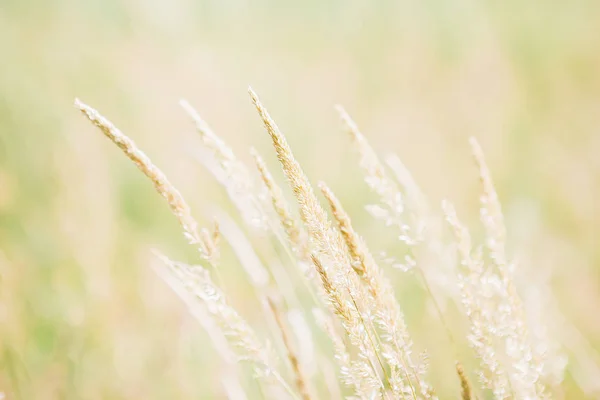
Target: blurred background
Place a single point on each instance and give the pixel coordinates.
(82, 314)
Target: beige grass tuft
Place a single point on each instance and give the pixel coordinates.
(357, 308)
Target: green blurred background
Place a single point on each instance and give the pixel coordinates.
(82, 316)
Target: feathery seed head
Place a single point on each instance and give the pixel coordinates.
(311, 211)
(281, 207)
(465, 387)
(301, 381)
(176, 202)
(350, 237)
(210, 139)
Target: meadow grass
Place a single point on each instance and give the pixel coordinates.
(344, 285)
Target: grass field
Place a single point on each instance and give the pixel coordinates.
(83, 313)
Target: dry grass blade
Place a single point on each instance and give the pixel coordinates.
(210, 139)
(353, 241)
(466, 392)
(388, 316)
(342, 356)
(480, 311)
(301, 382)
(358, 374)
(491, 211)
(237, 179)
(293, 232)
(176, 202)
(257, 274)
(312, 213)
(197, 282)
(296, 238)
(528, 365)
(379, 181)
(335, 297)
